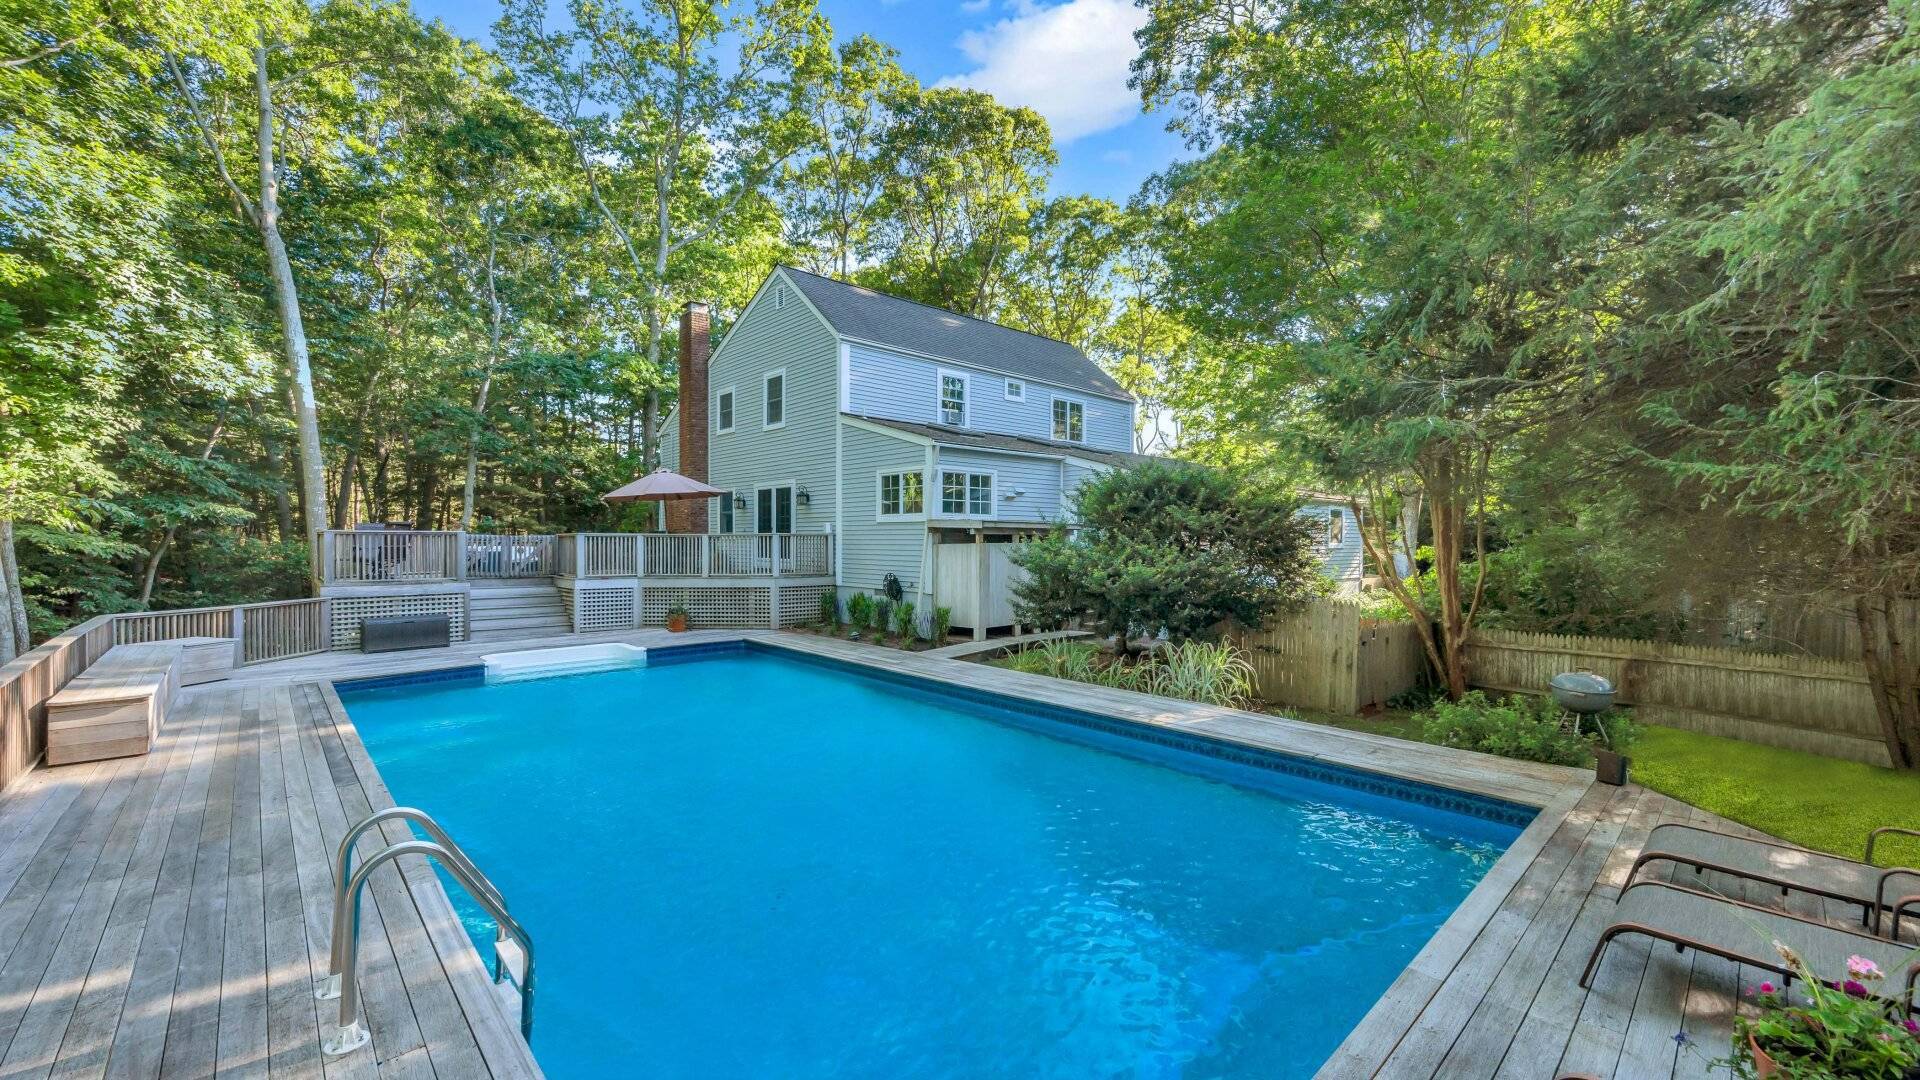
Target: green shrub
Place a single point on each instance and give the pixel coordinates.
(1197, 671)
(1521, 727)
(829, 609)
(942, 624)
(860, 610)
(904, 622)
(882, 614)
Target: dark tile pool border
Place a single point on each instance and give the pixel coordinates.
(1485, 807)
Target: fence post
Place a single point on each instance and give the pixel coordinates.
(239, 636)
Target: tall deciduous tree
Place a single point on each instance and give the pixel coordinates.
(680, 118)
(832, 190)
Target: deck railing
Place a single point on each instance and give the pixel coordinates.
(275, 630)
(397, 556)
(696, 555)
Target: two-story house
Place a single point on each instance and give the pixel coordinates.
(927, 442)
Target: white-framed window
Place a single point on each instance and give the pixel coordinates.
(1069, 420)
(1016, 390)
(773, 412)
(726, 512)
(723, 411)
(953, 398)
(902, 495)
(966, 494)
(1336, 527)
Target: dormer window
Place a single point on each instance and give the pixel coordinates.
(953, 398)
(1069, 420)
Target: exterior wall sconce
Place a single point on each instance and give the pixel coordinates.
(739, 502)
(803, 496)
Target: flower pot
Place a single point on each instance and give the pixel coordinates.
(677, 623)
(1610, 767)
(1763, 1066)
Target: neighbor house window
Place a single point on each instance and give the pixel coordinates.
(1016, 390)
(776, 406)
(726, 511)
(953, 399)
(723, 411)
(964, 494)
(902, 494)
(1069, 420)
(1336, 527)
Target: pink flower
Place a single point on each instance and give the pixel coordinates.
(1913, 1028)
(1766, 988)
(1854, 989)
(1862, 968)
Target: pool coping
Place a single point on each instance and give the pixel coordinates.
(1552, 790)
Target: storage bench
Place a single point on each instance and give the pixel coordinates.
(114, 708)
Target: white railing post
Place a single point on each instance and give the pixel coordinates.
(580, 555)
(460, 555)
(639, 563)
(239, 636)
(777, 545)
(706, 554)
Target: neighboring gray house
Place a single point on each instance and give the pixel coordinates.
(926, 442)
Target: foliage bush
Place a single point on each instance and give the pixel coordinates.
(1170, 547)
(942, 624)
(860, 610)
(882, 615)
(1191, 670)
(905, 623)
(1526, 728)
(829, 609)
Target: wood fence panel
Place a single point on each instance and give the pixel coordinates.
(1802, 703)
(1307, 658)
(1391, 661)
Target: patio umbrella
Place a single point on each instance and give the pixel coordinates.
(661, 485)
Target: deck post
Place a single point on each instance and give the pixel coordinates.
(639, 557)
(773, 606)
(706, 554)
(239, 635)
(579, 556)
(460, 555)
(980, 585)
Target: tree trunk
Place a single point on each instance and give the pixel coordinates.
(1442, 483)
(1890, 677)
(15, 615)
(293, 332)
(11, 645)
(495, 313)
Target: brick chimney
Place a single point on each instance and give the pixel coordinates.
(690, 515)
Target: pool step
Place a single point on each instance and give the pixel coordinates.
(513, 962)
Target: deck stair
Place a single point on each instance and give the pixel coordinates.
(520, 608)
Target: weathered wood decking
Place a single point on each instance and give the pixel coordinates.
(166, 915)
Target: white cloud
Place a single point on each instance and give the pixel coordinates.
(1067, 62)
(974, 7)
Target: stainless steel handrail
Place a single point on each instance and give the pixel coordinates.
(342, 869)
(342, 981)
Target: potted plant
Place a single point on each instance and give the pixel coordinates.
(677, 618)
(1842, 1029)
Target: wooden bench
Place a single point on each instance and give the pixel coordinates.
(114, 708)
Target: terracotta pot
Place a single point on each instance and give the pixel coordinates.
(677, 623)
(1763, 1066)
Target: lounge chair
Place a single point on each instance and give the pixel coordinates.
(1745, 934)
(1785, 867)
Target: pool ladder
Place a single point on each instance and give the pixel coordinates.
(341, 981)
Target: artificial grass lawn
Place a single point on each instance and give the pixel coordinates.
(1804, 799)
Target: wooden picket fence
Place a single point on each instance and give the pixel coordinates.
(1822, 706)
(1330, 657)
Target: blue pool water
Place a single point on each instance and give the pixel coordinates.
(750, 865)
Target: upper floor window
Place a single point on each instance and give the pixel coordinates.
(723, 410)
(964, 494)
(953, 399)
(1336, 527)
(775, 413)
(1069, 420)
(902, 494)
(1016, 390)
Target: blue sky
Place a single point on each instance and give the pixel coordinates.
(1067, 60)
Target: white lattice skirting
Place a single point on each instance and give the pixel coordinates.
(349, 610)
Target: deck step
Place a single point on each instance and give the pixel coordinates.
(528, 622)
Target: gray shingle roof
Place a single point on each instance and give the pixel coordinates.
(980, 440)
(858, 312)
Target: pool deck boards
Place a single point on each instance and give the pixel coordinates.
(166, 915)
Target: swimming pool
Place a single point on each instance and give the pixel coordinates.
(736, 861)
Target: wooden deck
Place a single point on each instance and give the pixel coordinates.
(166, 915)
